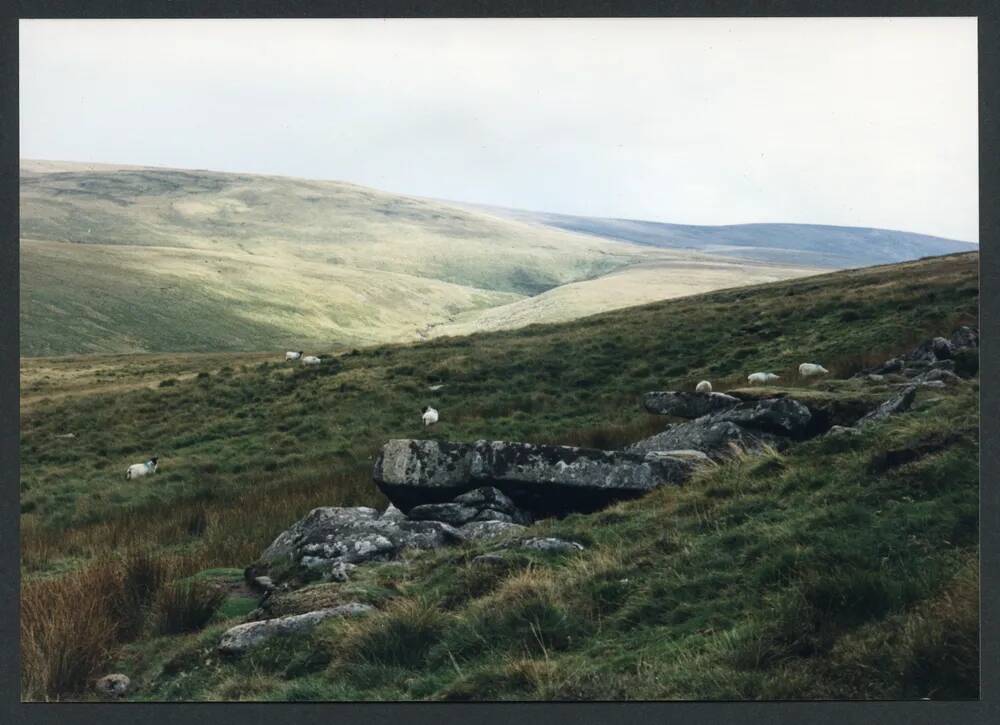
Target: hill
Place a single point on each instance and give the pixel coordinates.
(131, 259)
(813, 245)
(838, 569)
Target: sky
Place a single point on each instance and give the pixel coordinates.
(848, 121)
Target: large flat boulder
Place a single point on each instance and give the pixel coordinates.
(683, 404)
(242, 637)
(541, 479)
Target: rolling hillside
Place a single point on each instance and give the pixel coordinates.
(129, 259)
(814, 245)
(845, 567)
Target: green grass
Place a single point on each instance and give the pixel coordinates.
(821, 573)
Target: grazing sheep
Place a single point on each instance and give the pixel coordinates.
(762, 378)
(311, 360)
(703, 387)
(430, 416)
(808, 370)
(138, 470)
(293, 355)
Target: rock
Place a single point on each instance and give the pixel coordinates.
(393, 514)
(948, 364)
(893, 365)
(455, 514)
(340, 571)
(487, 497)
(841, 430)
(113, 686)
(329, 535)
(245, 636)
(687, 405)
(684, 454)
(490, 560)
(875, 378)
(964, 337)
(262, 583)
(538, 478)
(550, 544)
(939, 374)
(487, 530)
(778, 416)
(897, 404)
(942, 348)
(717, 439)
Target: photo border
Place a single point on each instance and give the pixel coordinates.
(987, 709)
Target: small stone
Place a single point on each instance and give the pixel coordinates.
(551, 544)
(341, 571)
(245, 636)
(113, 685)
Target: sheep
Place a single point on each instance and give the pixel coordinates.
(430, 416)
(808, 370)
(762, 378)
(703, 387)
(138, 470)
(292, 355)
(311, 360)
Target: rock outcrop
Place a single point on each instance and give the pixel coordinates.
(896, 404)
(682, 404)
(542, 479)
(245, 636)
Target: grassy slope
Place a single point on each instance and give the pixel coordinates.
(129, 259)
(793, 576)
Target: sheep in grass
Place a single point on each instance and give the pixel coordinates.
(290, 355)
(430, 416)
(138, 470)
(311, 360)
(811, 370)
(703, 387)
(762, 378)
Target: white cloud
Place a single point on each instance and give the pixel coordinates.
(869, 122)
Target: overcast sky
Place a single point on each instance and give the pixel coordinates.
(866, 122)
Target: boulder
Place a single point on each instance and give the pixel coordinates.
(899, 403)
(245, 636)
(716, 439)
(964, 337)
(539, 478)
(488, 530)
(113, 686)
(329, 535)
(687, 405)
(455, 514)
(778, 416)
(940, 374)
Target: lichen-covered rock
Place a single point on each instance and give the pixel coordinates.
(329, 535)
(537, 478)
(778, 416)
(899, 403)
(939, 374)
(245, 636)
(455, 514)
(487, 530)
(964, 337)
(113, 686)
(716, 439)
(683, 404)
(550, 544)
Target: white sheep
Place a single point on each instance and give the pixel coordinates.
(430, 416)
(138, 470)
(808, 370)
(311, 360)
(762, 378)
(703, 387)
(292, 355)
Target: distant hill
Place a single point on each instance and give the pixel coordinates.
(813, 245)
(118, 259)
